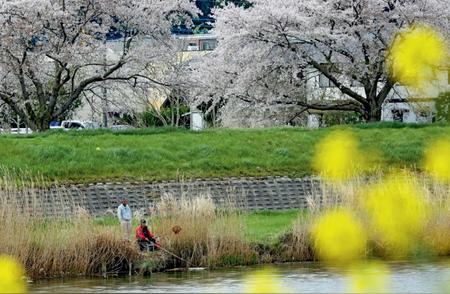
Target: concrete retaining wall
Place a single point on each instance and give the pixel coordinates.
(271, 193)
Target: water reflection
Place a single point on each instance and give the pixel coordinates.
(304, 278)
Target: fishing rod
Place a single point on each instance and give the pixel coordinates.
(176, 229)
(174, 255)
(187, 262)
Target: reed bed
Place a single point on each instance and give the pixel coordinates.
(430, 241)
(209, 236)
(53, 237)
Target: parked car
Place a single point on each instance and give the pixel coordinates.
(17, 131)
(75, 125)
(55, 125)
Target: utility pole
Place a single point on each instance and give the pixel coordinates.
(104, 94)
(105, 106)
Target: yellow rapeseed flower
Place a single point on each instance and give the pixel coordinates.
(437, 160)
(397, 212)
(371, 277)
(337, 157)
(339, 237)
(11, 273)
(416, 55)
(263, 281)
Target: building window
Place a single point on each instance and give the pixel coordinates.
(208, 45)
(192, 46)
(399, 114)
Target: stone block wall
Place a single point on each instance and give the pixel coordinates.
(270, 193)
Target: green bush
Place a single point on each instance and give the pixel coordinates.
(443, 107)
(150, 119)
(398, 125)
(340, 118)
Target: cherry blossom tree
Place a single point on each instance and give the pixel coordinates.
(267, 52)
(54, 51)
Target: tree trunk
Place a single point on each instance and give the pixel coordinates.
(373, 112)
(42, 123)
(375, 115)
(177, 120)
(376, 101)
(37, 122)
(172, 114)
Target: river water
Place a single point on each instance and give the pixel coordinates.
(299, 277)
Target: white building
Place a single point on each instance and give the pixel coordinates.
(402, 104)
(109, 105)
(200, 42)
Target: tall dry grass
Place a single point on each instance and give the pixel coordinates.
(296, 245)
(51, 236)
(44, 229)
(432, 240)
(209, 236)
(437, 228)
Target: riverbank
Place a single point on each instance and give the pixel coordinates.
(92, 247)
(72, 243)
(168, 154)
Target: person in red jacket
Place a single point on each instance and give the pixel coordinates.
(145, 238)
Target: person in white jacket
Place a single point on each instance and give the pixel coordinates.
(125, 215)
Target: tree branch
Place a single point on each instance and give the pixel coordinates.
(83, 84)
(344, 89)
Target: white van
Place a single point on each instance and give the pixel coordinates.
(17, 131)
(77, 125)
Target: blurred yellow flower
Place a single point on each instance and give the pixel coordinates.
(337, 157)
(339, 237)
(11, 273)
(263, 281)
(371, 277)
(416, 55)
(437, 160)
(397, 212)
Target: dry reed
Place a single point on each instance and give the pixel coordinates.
(46, 231)
(208, 236)
(52, 237)
(433, 238)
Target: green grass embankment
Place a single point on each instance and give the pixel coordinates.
(161, 154)
(266, 227)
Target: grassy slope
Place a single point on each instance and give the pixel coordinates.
(167, 154)
(266, 226)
